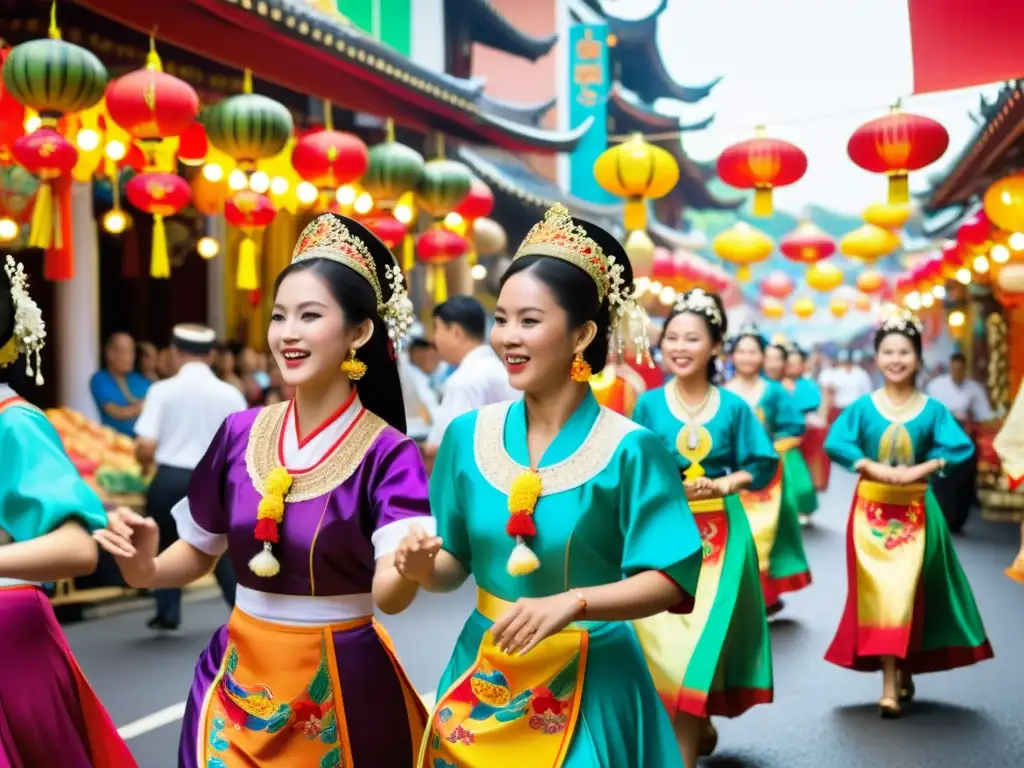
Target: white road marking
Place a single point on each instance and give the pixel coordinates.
(175, 712)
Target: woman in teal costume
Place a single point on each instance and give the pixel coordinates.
(807, 394)
(909, 606)
(547, 672)
(717, 660)
(774, 511)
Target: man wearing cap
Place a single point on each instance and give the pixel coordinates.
(179, 419)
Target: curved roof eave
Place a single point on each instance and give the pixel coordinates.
(523, 113)
(558, 141)
(490, 28)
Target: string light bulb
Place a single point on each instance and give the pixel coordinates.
(8, 230)
(207, 247)
(115, 221)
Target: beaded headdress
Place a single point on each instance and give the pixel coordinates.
(560, 236)
(699, 302)
(29, 335)
(902, 321)
(328, 237)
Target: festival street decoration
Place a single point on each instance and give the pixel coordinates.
(762, 164)
(638, 171)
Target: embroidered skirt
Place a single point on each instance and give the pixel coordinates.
(716, 660)
(49, 716)
(907, 595)
(293, 697)
(563, 705)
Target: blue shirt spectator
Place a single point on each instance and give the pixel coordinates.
(117, 389)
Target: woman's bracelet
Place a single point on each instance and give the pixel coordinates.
(582, 601)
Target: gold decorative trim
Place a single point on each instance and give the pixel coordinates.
(899, 414)
(682, 411)
(331, 472)
(499, 469)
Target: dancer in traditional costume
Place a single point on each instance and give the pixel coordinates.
(909, 607)
(808, 396)
(547, 672)
(774, 510)
(717, 660)
(1009, 445)
(309, 498)
(49, 716)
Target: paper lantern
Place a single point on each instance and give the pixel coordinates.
(1004, 203)
(442, 186)
(862, 303)
(490, 237)
(1009, 286)
(804, 308)
(869, 243)
(49, 156)
(887, 216)
(389, 229)
(896, 145)
(871, 282)
(193, 146)
(478, 203)
(807, 244)
(953, 257)
(743, 245)
(394, 169)
(208, 197)
(663, 267)
(838, 307)
(777, 285)
(329, 159)
(638, 171)
(162, 195)
(824, 277)
(772, 308)
(12, 117)
(975, 233)
(248, 127)
(250, 212)
(434, 249)
(762, 164)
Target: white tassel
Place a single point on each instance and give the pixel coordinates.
(264, 564)
(522, 560)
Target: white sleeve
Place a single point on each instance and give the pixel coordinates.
(147, 426)
(215, 544)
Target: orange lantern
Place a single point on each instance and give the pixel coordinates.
(869, 243)
(777, 285)
(887, 216)
(762, 164)
(208, 197)
(871, 282)
(1004, 203)
(895, 145)
(807, 244)
(249, 211)
(824, 277)
(159, 194)
(803, 308)
(862, 303)
(743, 245)
(772, 308)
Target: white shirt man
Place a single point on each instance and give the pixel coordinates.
(965, 398)
(847, 383)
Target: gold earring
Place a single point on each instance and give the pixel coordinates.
(353, 368)
(580, 369)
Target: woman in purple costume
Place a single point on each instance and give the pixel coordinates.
(309, 498)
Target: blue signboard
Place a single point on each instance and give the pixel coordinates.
(589, 84)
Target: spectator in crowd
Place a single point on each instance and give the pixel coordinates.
(116, 388)
(844, 383)
(226, 367)
(147, 358)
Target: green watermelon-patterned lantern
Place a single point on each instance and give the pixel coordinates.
(248, 127)
(444, 184)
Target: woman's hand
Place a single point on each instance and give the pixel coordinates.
(721, 487)
(698, 489)
(414, 558)
(533, 619)
(134, 541)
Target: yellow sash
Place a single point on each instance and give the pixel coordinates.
(510, 711)
(784, 444)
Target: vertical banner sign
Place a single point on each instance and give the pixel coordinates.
(589, 84)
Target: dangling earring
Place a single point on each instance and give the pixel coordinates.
(580, 370)
(353, 368)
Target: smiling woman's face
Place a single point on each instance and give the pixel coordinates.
(687, 346)
(748, 357)
(897, 359)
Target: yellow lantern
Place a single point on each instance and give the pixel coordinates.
(803, 308)
(743, 245)
(838, 307)
(1004, 203)
(637, 171)
(824, 277)
(772, 309)
(887, 216)
(869, 243)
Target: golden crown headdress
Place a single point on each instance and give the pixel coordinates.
(327, 237)
(699, 302)
(557, 235)
(29, 335)
(903, 321)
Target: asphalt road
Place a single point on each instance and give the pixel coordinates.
(823, 716)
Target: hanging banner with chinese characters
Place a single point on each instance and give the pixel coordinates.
(589, 84)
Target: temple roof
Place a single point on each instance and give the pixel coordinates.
(996, 150)
(289, 43)
(630, 114)
(489, 27)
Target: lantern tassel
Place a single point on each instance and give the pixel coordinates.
(59, 263)
(763, 202)
(743, 274)
(471, 255)
(408, 254)
(899, 189)
(635, 215)
(440, 285)
(42, 229)
(160, 260)
(246, 278)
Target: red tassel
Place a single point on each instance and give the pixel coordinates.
(266, 530)
(520, 525)
(59, 263)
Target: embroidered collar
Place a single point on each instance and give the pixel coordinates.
(682, 411)
(902, 413)
(343, 410)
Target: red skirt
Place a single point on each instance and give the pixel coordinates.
(818, 462)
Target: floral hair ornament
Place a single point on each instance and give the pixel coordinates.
(269, 516)
(697, 301)
(903, 321)
(29, 336)
(560, 236)
(329, 237)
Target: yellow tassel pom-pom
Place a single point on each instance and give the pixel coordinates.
(272, 507)
(264, 564)
(522, 560)
(278, 482)
(524, 493)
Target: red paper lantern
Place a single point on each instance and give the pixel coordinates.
(895, 145)
(49, 156)
(975, 232)
(159, 194)
(905, 283)
(762, 164)
(478, 203)
(12, 117)
(662, 267)
(150, 104)
(329, 159)
(807, 244)
(953, 257)
(193, 145)
(778, 285)
(389, 229)
(434, 249)
(249, 211)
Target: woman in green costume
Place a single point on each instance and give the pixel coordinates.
(547, 672)
(909, 607)
(716, 660)
(774, 519)
(807, 394)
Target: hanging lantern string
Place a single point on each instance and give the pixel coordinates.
(328, 116)
(933, 100)
(54, 31)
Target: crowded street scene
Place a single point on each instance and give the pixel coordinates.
(503, 383)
